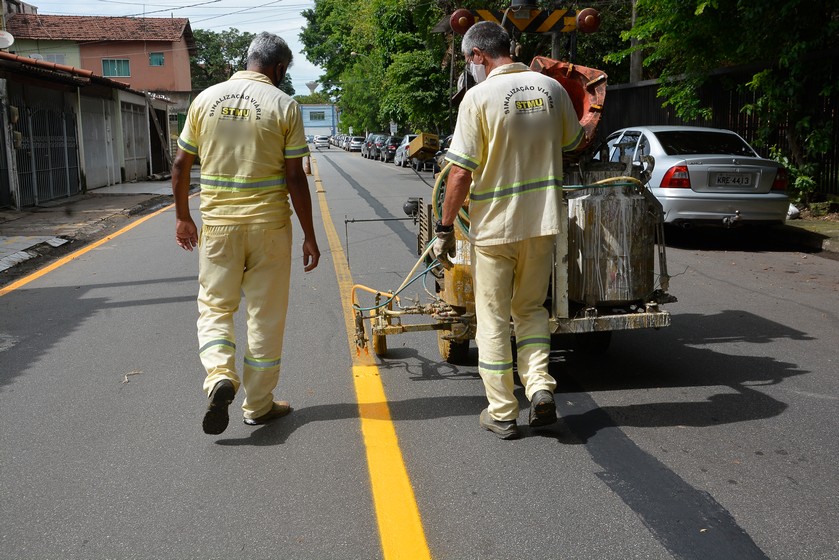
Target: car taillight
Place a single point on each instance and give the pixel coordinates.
(781, 180)
(676, 178)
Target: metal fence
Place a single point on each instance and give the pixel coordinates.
(637, 105)
(47, 157)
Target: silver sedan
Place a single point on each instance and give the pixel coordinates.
(704, 176)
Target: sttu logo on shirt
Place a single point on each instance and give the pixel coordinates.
(530, 105)
(235, 113)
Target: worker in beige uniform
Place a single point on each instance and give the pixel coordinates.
(507, 153)
(250, 140)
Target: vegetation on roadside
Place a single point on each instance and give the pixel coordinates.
(786, 44)
(383, 63)
(220, 55)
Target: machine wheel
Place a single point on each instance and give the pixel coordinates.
(593, 343)
(452, 351)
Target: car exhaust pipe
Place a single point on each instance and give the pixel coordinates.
(730, 221)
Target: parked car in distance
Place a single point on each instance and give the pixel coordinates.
(400, 155)
(376, 146)
(388, 149)
(704, 176)
(365, 149)
(356, 142)
(321, 142)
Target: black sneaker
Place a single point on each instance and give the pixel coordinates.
(504, 430)
(542, 409)
(216, 418)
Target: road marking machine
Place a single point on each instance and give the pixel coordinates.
(604, 275)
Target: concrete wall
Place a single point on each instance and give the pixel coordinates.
(314, 125)
(173, 76)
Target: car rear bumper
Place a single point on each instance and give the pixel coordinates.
(724, 211)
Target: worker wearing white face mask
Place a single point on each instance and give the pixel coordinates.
(478, 71)
(507, 154)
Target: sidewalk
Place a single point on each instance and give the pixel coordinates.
(34, 234)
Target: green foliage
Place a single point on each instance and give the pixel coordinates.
(219, 56)
(286, 86)
(313, 99)
(802, 184)
(415, 93)
(380, 59)
(685, 40)
(593, 49)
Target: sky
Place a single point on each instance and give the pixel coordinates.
(281, 17)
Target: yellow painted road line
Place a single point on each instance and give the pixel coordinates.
(400, 525)
(76, 254)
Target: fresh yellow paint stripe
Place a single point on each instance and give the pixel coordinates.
(76, 254)
(400, 525)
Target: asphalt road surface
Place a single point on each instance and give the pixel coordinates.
(714, 438)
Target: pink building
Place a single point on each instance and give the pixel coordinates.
(149, 54)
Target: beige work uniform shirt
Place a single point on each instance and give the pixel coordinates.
(511, 131)
(243, 130)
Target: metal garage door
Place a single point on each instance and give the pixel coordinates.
(135, 131)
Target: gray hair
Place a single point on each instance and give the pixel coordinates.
(268, 49)
(487, 36)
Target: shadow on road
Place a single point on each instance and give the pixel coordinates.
(765, 239)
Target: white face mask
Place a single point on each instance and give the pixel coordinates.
(478, 71)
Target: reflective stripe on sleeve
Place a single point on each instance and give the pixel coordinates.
(187, 147)
(296, 151)
(575, 142)
(462, 160)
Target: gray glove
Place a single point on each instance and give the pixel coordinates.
(444, 248)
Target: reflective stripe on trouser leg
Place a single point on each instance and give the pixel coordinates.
(220, 265)
(493, 268)
(266, 285)
(530, 318)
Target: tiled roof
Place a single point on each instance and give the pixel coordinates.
(97, 28)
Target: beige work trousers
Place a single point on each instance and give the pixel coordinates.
(511, 280)
(254, 260)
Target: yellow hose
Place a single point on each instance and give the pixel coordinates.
(462, 221)
(618, 180)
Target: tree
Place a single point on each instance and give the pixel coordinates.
(382, 63)
(220, 55)
(786, 42)
(313, 99)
